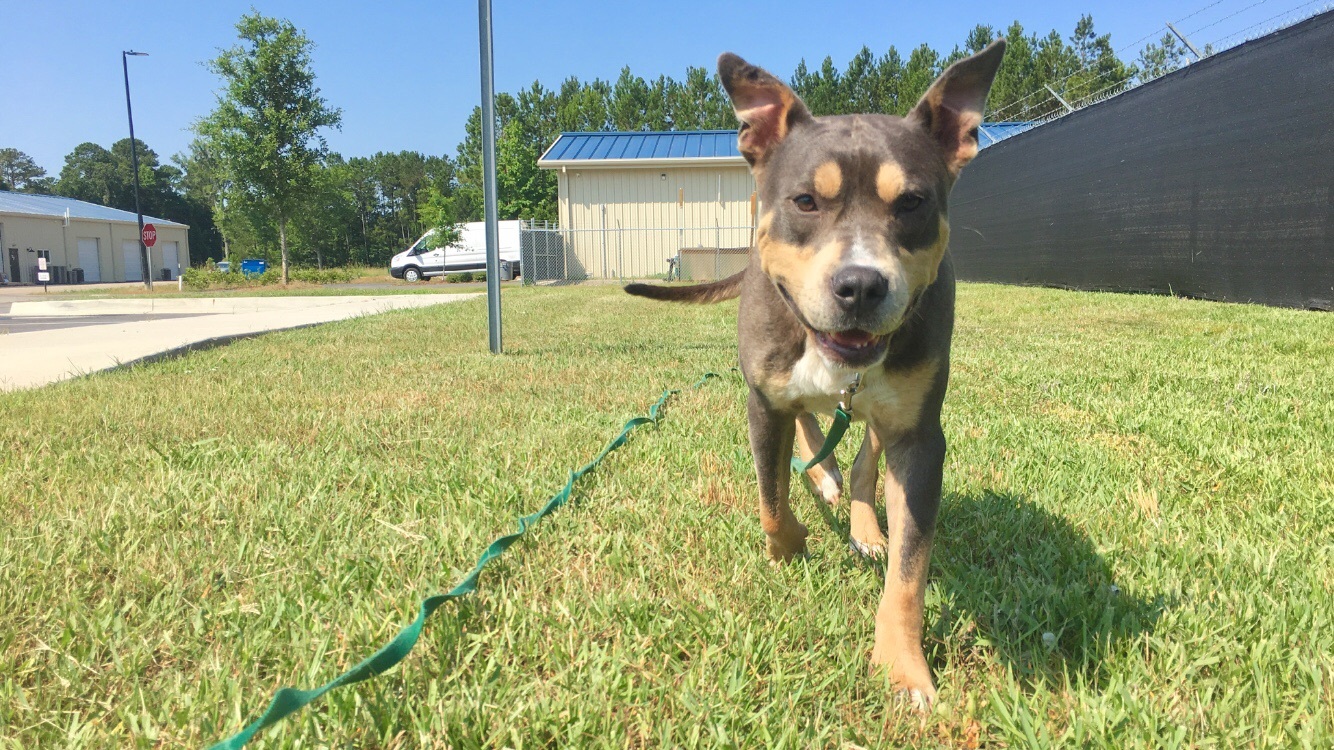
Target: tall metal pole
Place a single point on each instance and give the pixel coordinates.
(489, 175)
(134, 164)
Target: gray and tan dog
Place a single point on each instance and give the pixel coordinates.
(850, 276)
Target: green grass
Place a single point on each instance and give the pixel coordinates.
(1148, 479)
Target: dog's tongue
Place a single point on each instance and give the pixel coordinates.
(852, 338)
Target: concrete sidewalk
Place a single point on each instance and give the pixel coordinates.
(28, 360)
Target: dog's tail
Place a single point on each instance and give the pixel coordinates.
(699, 294)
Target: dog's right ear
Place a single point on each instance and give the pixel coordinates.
(766, 107)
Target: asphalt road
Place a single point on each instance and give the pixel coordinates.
(25, 324)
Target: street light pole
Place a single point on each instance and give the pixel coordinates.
(134, 164)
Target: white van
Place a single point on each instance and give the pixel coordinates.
(424, 260)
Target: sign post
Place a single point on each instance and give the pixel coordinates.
(43, 272)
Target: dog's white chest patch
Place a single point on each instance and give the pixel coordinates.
(815, 382)
(893, 401)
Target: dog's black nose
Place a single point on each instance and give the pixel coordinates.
(859, 289)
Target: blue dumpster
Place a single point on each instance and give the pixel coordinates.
(254, 266)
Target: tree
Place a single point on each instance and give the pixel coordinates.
(267, 124)
(439, 216)
(630, 102)
(19, 172)
(820, 90)
(1161, 58)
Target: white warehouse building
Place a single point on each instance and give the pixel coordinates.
(78, 238)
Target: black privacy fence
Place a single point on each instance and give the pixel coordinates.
(1213, 181)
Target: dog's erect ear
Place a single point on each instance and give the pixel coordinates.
(952, 108)
(766, 107)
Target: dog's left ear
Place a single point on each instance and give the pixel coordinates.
(952, 108)
(766, 107)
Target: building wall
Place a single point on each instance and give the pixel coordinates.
(25, 231)
(650, 214)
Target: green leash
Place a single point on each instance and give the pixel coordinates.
(290, 700)
(842, 418)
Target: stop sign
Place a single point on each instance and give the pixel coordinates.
(150, 235)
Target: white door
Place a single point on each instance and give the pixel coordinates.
(134, 270)
(170, 259)
(90, 260)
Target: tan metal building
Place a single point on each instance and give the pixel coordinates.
(101, 242)
(632, 205)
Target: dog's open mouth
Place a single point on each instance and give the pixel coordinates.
(854, 348)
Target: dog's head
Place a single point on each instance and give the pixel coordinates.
(854, 225)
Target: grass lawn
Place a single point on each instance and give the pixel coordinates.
(1148, 480)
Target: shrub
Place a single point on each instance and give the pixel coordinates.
(455, 278)
(209, 277)
(479, 276)
(322, 276)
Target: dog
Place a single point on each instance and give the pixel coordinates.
(849, 287)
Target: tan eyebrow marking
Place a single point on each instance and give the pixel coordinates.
(828, 179)
(889, 181)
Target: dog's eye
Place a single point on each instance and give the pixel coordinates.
(805, 203)
(910, 202)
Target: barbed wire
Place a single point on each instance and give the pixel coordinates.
(1230, 15)
(1290, 14)
(1051, 108)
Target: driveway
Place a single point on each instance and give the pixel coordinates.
(55, 340)
(27, 324)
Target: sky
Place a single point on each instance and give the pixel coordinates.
(405, 74)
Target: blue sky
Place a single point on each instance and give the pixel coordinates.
(406, 73)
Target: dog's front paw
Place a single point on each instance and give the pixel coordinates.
(909, 676)
(870, 551)
(866, 537)
(921, 700)
(831, 490)
(788, 543)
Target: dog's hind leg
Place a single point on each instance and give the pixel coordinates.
(771, 436)
(824, 475)
(912, 497)
(866, 536)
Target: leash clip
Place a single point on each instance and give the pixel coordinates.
(845, 395)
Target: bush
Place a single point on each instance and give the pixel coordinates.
(456, 278)
(209, 277)
(479, 276)
(322, 276)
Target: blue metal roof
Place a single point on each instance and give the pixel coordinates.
(685, 144)
(994, 132)
(692, 144)
(56, 205)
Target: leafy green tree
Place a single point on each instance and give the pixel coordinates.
(323, 225)
(20, 172)
(922, 68)
(699, 103)
(268, 120)
(858, 85)
(90, 174)
(359, 181)
(439, 216)
(1161, 58)
(630, 102)
(887, 84)
(820, 90)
